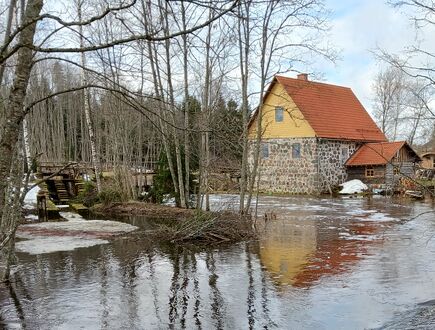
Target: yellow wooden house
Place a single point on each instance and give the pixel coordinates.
(308, 131)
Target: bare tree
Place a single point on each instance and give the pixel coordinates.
(274, 32)
(15, 112)
(389, 90)
(415, 61)
(86, 102)
(402, 104)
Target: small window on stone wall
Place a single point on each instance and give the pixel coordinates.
(344, 154)
(370, 172)
(265, 150)
(279, 114)
(433, 162)
(396, 171)
(296, 150)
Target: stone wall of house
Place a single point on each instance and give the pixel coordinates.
(319, 168)
(282, 173)
(331, 158)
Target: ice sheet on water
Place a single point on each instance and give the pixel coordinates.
(77, 223)
(39, 245)
(378, 216)
(360, 211)
(74, 233)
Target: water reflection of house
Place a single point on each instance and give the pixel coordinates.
(287, 248)
(301, 253)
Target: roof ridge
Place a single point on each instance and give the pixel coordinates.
(387, 142)
(313, 82)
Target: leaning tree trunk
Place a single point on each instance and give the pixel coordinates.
(15, 114)
(244, 44)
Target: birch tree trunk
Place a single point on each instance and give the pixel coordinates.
(244, 42)
(186, 109)
(157, 82)
(180, 177)
(15, 113)
(204, 154)
(86, 105)
(12, 5)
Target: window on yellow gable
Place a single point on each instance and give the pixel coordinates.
(279, 114)
(370, 172)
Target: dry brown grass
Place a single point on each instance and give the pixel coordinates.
(208, 228)
(141, 208)
(186, 226)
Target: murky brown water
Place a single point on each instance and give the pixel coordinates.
(321, 264)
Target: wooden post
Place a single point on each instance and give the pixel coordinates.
(42, 207)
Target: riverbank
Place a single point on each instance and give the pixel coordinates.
(140, 208)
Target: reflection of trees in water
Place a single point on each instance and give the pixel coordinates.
(251, 289)
(184, 281)
(265, 301)
(186, 297)
(196, 292)
(216, 297)
(105, 257)
(252, 252)
(17, 303)
(184, 293)
(129, 269)
(173, 296)
(154, 285)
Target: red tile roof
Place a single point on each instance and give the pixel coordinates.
(375, 153)
(332, 111)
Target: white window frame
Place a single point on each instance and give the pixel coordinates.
(279, 114)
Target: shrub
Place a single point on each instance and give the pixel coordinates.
(89, 196)
(110, 195)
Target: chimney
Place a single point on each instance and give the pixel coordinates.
(303, 76)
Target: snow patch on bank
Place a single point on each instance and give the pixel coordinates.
(353, 187)
(31, 217)
(30, 199)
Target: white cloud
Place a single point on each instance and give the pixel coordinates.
(359, 27)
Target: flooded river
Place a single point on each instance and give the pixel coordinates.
(319, 264)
